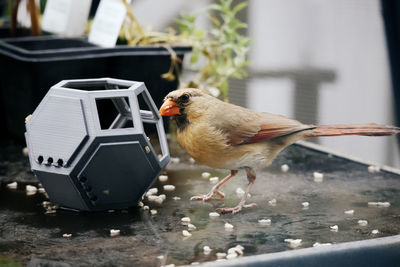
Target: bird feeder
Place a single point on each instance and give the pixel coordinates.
(90, 146)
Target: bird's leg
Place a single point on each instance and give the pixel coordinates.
(251, 176)
(215, 188)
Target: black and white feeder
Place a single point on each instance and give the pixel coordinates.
(88, 145)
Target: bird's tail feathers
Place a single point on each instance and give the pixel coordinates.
(368, 129)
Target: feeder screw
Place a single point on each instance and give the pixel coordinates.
(147, 148)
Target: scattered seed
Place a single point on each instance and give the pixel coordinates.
(228, 227)
(145, 207)
(373, 169)
(349, 212)
(264, 221)
(221, 255)
(185, 220)
(186, 233)
(318, 177)
(241, 248)
(163, 178)
(175, 160)
(195, 263)
(41, 190)
(206, 249)
(231, 256)
(152, 191)
(379, 204)
(213, 214)
(334, 228)
(363, 222)
(176, 198)
(272, 202)
(25, 151)
(13, 185)
(161, 257)
(50, 211)
(240, 193)
(140, 204)
(191, 160)
(30, 188)
(152, 198)
(375, 232)
(293, 243)
(169, 187)
(305, 204)
(46, 204)
(214, 180)
(284, 168)
(191, 227)
(67, 235)
(205, 175)
(153, 212)
(114, 232)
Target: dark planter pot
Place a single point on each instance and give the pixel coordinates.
(31, 65)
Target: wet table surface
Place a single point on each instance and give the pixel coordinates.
(30, 235)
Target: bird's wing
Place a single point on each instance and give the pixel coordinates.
(265, 127)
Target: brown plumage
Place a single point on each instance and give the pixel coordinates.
(225, 136)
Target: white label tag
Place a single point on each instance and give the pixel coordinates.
(107, 23)
(66, 17)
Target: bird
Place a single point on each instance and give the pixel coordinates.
(226, 136)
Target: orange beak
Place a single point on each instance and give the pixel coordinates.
(169, 108)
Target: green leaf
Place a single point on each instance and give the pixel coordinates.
(239, 7)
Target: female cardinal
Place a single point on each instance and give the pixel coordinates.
(225, 136)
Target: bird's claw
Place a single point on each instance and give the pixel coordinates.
(236, 209)
(208, 196)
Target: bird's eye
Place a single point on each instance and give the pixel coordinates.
(185, 97)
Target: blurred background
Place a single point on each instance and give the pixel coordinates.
(318, 61)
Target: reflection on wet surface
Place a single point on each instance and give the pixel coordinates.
(27, 232)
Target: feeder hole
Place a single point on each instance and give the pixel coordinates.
(60, 162)
(50, 160)
(88, 188)
(40, 159)
(109, 109)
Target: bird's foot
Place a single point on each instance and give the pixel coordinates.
(209, 195)
(237, 208)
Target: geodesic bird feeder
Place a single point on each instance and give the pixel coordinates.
(88, 145)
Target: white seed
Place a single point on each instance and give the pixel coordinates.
(373, 169)
(349, 212)
(46, 204)
(152, 191)
(186, 233)
(153, 212)
(240, 193)
(161, 257)
(25, 151)
(316, 244)
(220, 260)
(284, 168)
(228, 226)
(140, 204)
(272, 202)
(191, 160)
(379, 204)
(169, 187)
(185, 220)
(231, 256)
(205, 175)
(264, 221)
(13, 185)
(163, 196)
(235, 250)
(163, 178)
(169, 265)
(213, 214)
(206, 249)
(50, 211)
(293, 243)
(67, 235)
(195, 263)
(30, 188)
(152, 198)
(241, 248)
(175, 160)
(318, 177)
(146, 207)
(305, 204)
(221, 255)
(41, 190)
(375, 232)
(334, 228)
(176, 198)
(214, 180)
(191, 227)
(363, 222)
(114, 232)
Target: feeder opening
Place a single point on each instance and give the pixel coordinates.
(114, 113)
